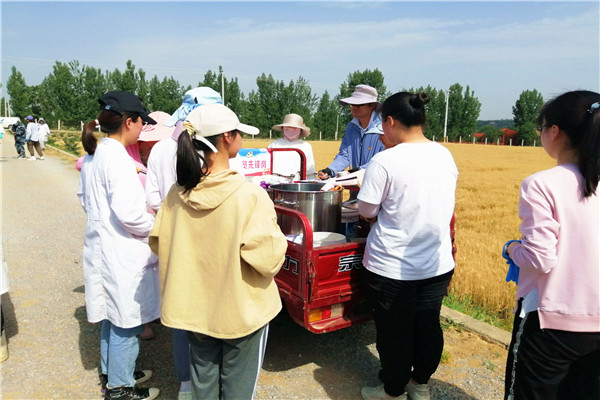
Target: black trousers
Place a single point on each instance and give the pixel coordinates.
(407, 319)
(550, 364)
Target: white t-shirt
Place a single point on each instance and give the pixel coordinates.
(288, 163)
(414, 184)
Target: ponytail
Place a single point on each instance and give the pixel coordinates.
(88, 139)
(109, 121)
(589, 153)
(191, 165)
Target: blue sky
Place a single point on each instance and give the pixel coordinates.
(497, 48)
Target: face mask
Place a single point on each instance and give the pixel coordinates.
(291, 134)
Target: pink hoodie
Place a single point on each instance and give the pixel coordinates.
(560, 253)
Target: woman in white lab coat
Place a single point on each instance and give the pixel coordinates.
(121, 282)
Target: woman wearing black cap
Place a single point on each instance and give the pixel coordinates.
(121, 281)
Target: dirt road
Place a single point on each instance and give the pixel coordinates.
(54, 350)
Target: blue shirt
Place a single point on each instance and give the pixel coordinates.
(358, 145)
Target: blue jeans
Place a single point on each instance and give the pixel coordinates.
(181, 355)
(119, 348)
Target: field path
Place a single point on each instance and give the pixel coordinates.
(54, 350)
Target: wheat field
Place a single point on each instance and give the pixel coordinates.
(486, 213)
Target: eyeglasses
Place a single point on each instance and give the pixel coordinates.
(357, 105)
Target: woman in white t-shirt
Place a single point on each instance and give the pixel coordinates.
(409, 191)
(288, 163)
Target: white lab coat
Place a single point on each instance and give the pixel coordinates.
(121, 279)
(43, 132)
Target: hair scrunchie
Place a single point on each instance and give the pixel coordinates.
(189, 128)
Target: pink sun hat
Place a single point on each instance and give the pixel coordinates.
(154, 133)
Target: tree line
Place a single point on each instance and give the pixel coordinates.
(70, 92)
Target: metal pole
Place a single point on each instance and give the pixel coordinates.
(447, 92)
(223, 87)
(337, 124)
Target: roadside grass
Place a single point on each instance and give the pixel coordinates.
(468, 306)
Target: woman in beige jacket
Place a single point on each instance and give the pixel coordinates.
(219, 248)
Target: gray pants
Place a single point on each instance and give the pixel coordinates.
(226, 369)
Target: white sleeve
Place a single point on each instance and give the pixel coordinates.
(310, 161)
(368, 210)
(80, 193)
(152, 188)
(374, 185)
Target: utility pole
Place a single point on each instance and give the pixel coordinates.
(223, 86)
(337, 123)
(447, 92)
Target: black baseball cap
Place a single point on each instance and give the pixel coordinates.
(124, 102)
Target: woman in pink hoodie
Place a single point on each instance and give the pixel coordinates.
(555, 350)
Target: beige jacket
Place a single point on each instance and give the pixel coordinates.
(219, 247)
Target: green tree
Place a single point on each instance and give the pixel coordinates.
(61, 91)
(142, 90)
(434, 111)
(325, 118)
(372, 78)
(527, 107)
(18, 92)
(212, 80)
(525, 113)
(527, 134)
(126, 81)
(273, 100)
(491, 133)
(165, 95)
(234, 98)
(94, 85)
(463, 113)
(297, 98)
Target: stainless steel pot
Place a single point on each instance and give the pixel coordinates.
(323, 209)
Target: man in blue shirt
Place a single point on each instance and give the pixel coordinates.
(361, 138)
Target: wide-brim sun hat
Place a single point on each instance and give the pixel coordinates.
(154, 133)
(363, 94)
(121, 102)
(214, 119)
(293, 121)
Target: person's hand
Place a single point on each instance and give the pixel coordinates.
(325, 173)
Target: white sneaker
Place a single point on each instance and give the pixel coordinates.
(184, 396)
(42, 158)
(378, 393)
(32, 158)
(417, 391)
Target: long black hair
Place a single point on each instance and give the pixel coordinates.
(577, 114)
(191, 167)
